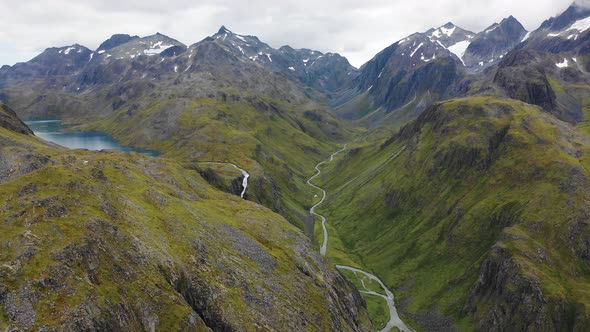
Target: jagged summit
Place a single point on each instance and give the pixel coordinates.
(510, 18)
(223, 29)
(493, 43)
(116, 40)
(564, 32)
(449, 34)
(576, 11)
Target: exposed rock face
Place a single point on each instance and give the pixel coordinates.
(409, 75)
(524, 75)
(115, 40)
(10, 121)
(561, 33)
(525, 81)
(491, 45)
(328, 72)
(504, 299)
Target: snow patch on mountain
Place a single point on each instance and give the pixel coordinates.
(156, 48)
(459, 49)
(416, 50)
(580, 26)
(491, 29)
(563, 64)
(528, 34)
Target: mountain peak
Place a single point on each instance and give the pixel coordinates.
(116, 40)
(578, 10)
(157, 35)
(512, 24)
(509, 19)
(223, 29)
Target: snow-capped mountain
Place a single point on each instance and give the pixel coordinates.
(327, 72)
(65, 60)
(491, 45)
(442, 41)
(403, 79)
(449, 35)
(415, 71)
(123, 57)
(134, 47)
(562, 33)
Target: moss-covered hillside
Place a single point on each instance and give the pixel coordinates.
(276, 142)
(117, 241)
(476, 215)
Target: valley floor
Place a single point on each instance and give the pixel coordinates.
(394, 320)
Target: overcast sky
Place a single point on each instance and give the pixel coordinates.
(357, 29)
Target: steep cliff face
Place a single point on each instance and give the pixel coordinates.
(524, 77)
(504, 298)
(115, 241)
(9, 120)
(555, 83)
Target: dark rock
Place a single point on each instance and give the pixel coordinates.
(18, 306)
(502, 299)
(116, 40)
(28, 189)
(250, 248)
(524, 81)
(174, 51)
(56, 211)
(10, 121)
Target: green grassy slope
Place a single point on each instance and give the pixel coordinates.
(277, 143)
(476, 212)
(120, 241)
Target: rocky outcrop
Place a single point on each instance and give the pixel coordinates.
(9, 120)
(492, 44)
(115, 40)
(524, 81)
(525, 75)
(504, 299)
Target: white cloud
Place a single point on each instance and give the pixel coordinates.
(356, 29)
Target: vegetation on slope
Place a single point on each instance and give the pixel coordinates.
(474, 214)
(277, 144)
(96, 240)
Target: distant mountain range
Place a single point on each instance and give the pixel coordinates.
(463, 183)
(402, 80)
(393, 87)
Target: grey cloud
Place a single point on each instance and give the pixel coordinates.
(356, 29)
(583, 3)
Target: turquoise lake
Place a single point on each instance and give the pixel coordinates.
(54, 131)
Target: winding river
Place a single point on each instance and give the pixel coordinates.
(394, 319)
(324, 246)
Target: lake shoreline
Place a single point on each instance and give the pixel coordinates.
(54, 131)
